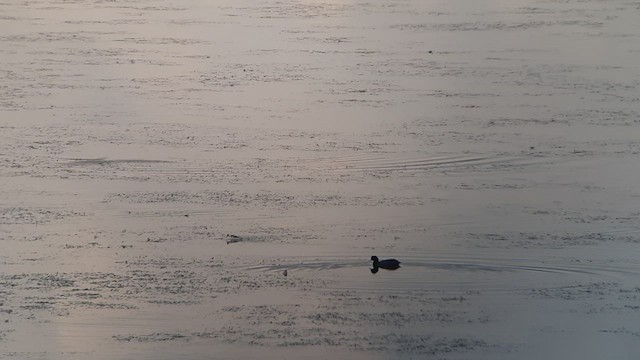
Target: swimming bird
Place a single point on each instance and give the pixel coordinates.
(389, 264)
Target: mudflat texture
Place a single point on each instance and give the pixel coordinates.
(209, 179)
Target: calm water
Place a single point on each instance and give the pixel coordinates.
(163, 163)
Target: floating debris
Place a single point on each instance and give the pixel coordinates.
(233, 238)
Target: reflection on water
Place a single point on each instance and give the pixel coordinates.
(214, 175)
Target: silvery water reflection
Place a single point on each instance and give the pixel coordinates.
(492, 146)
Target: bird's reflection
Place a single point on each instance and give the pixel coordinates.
(389, 264)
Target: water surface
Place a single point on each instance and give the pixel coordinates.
(162, 164)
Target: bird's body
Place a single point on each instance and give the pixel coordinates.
(389, 264)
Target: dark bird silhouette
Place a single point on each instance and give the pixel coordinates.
(389, 264)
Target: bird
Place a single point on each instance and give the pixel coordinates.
(389, 264)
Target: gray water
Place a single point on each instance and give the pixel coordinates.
(163, 163)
